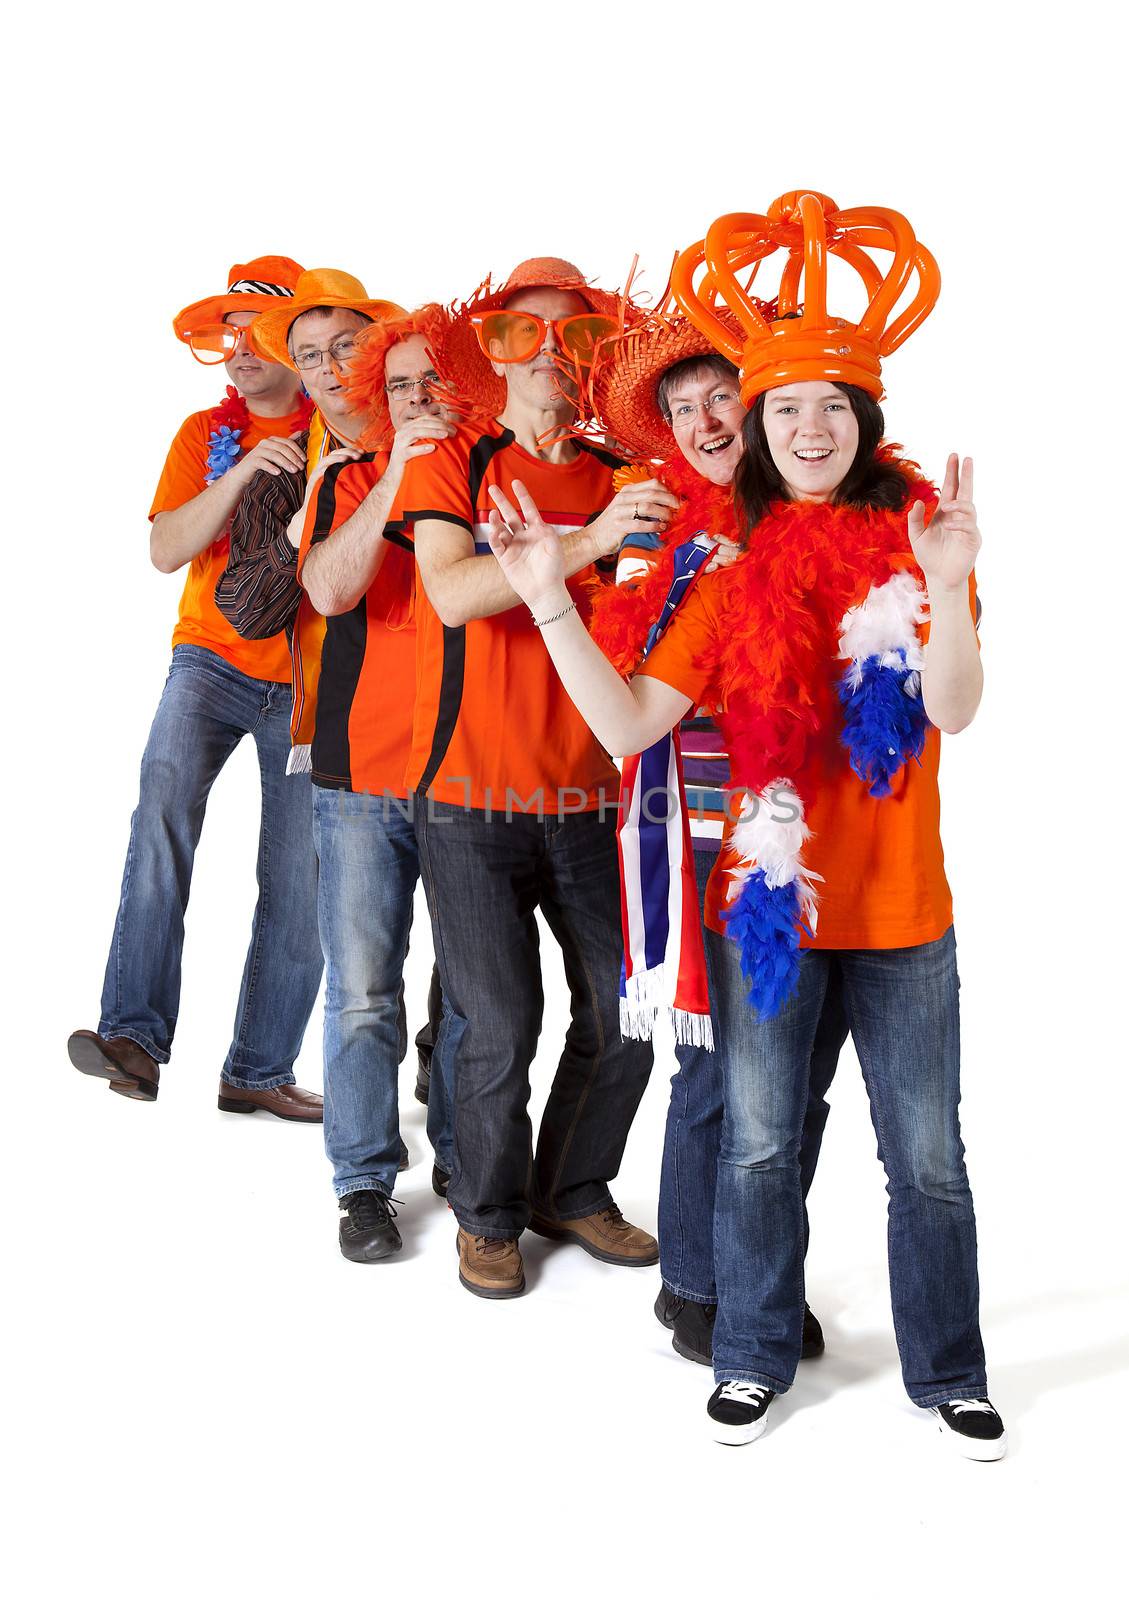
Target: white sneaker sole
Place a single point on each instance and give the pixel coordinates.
(973, 1449)
(737, 1433)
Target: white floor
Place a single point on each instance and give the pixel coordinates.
(207, 1398)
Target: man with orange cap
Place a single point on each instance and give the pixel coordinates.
(515, 801)
(219, 688)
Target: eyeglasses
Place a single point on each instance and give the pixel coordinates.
(338, 351)
(405, 388)
(683, 415)
(518, 335)
(215, 342)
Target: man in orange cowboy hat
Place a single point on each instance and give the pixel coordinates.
(219, 688)
(515, 800)
(373, 383)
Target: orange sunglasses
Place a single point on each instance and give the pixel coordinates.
(518, 335)
(215, 342)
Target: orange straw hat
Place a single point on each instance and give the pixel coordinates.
(626, 382)
(320, 286)
(808, 344)
(364, 371)
(463, 364)
(251, 286)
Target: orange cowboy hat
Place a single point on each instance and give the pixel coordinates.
(364, 372)
(465, 366)
(626, 382)
(251, 286)
(320, 286)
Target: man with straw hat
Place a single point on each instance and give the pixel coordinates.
(667, 396)
(220, 687)
(515, 801)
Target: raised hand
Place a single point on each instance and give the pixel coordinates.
(528, 550)
(946, 550)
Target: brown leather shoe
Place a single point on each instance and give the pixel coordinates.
(286, 1100)
(130, 1069)
(491, 1268)
(605, 1235)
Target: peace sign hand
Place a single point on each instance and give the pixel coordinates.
(528, 550)
(946, 550)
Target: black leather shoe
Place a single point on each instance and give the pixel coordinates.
(813, 1335)
(368, 1231)
(439, 1181)
(691, 1325)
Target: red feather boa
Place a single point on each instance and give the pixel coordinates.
(773, 661)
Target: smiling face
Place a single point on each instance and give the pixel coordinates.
(539, 382)
(323, 330)
(264, 381)
(705, 416)
(812, 435)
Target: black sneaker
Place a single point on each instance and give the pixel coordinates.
(368, 1231)
(439, 1181)
(423, 1081)
(813, 1335)
(691, 1324)
(974, 1428)
(737, 1411)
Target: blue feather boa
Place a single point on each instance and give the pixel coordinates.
(765, 923)
(883, 726)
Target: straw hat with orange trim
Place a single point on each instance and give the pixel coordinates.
(320, 286)
(626, 382)
(461, 361)
(251, 286)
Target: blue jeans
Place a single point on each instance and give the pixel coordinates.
(903, 1010)
(693, 1130)
(485, 879)
(369, 866)
(206, 708)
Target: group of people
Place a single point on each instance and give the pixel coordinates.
(444, 566)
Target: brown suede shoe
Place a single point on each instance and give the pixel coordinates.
(605, 1235)
(130, 1069)
(491, 1268)
(286, 1101)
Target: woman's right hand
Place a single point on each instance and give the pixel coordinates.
(528, 550)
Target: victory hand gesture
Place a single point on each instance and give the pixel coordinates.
(946, 550)
(528, 550)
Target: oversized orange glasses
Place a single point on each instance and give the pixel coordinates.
(518, 335)
(215, 342)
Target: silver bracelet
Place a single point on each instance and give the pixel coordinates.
(544, 623)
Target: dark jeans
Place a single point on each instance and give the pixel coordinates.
(904, 1018)
(693, 1130)
(205, 710)
(484, 881)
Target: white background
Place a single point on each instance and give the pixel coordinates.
(206, 1397)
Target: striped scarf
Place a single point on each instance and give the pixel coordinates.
(664, 963)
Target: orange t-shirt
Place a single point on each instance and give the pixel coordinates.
(366, 688)
(492, 718)
(883, 869)
(200, 621)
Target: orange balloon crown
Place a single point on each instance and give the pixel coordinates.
(805, 342)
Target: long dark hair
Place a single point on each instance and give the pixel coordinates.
(871, 482)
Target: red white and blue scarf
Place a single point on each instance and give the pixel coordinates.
(664, 962)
